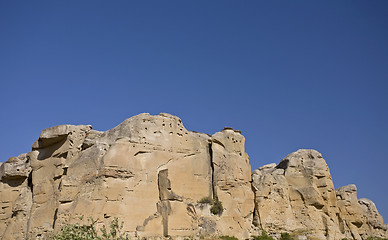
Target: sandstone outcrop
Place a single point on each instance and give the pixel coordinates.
(161, 181)
(298, 196)
(359, 217)
(149, 171)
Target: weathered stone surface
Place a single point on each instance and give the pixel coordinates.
(15, 168)
(152, 173)
(359, 218)
(55, 149)
(15, 197)
(149, 171)
(232, 177)
(298, 196)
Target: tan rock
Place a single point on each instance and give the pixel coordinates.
(359, 218)
(232, 183)
(151, 172)
(297, 196)
(15, 198)
(55, 149)
(162, 181)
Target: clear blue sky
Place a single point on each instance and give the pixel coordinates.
(288, 74)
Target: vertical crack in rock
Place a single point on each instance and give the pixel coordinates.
(31, 188)
(29, 183)
(212, 180)
(55, 217)
(256, 216)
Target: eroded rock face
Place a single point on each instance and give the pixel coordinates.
(359, 217)
(297, 196)
(149, 171)
(231, 177)
(153, 174)
(15, 197)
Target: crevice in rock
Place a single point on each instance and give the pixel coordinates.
(218, 142)
(61, 155)
(15, 213)
(213, 180)
(57, 177)
(256, 216)
(31, 187)
(29, 182)
(55, 217)
(317, 205)
(141, 152)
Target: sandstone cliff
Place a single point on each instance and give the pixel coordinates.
(151, 173)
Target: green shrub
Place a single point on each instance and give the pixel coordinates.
(89, 232)
(263, 236)
(216, 208)
(228, 238)
(286, 236)
(206, 200)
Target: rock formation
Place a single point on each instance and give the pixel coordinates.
(298, 196)
(153, 174)
(359, 218)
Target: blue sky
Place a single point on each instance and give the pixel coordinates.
(288, 74)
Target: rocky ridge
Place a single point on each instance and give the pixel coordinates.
(153, 174)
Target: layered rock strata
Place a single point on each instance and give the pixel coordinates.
(153, 175)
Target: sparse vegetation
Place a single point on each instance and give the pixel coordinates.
(286, 236)
(89, 231)
(376, 238)
(204, 200)
(228, 238)
(216, 208)
(264, 236)
(216, 205)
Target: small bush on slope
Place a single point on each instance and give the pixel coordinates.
(206, 200)
(263, 236)
(216, 207)
(286, 236)
(89, 232)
